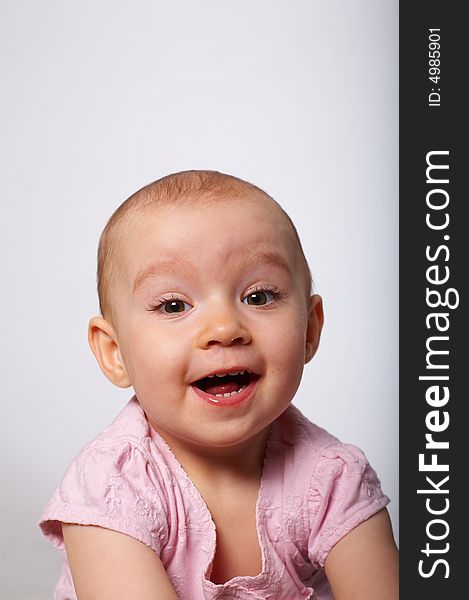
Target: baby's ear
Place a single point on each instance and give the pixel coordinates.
(103, 342)
(315, 323)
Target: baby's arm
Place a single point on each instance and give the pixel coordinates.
(109, 565)
(363, 565)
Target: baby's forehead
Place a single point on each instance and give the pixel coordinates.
(124, 257)
(228, 231)
(262, 216)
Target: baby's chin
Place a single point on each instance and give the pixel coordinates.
(210, 437)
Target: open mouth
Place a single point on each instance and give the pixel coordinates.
(225, 385)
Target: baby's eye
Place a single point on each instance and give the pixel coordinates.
(259, 298)
(170, 306)
(174, 306)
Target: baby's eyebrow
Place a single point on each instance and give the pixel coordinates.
(167, 267)
(269, 258)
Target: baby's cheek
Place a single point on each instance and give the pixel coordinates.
(288, 350)
(291, 333)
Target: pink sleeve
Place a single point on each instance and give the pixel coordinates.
(345, 491)
(113, 487)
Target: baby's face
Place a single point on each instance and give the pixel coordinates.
(206, 291)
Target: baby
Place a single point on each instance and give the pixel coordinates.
(210, 483)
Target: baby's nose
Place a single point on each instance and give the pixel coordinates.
(224, 327)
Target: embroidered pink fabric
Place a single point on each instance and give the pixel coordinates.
(314, 490)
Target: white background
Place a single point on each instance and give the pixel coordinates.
(102, 97)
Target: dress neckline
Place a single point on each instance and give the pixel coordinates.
(238, 579)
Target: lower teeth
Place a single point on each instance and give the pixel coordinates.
(228, 394)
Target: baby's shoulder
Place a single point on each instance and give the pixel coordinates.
(123, 449)
(338, 487)
(116, 481)
(316, 453)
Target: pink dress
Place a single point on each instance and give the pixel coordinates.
(314, 490)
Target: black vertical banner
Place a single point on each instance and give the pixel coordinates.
(434, 268)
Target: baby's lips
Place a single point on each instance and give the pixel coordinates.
(235, 370)
(234, 379)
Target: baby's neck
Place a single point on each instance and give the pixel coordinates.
(221, 466)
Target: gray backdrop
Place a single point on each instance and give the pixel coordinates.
(100, 98)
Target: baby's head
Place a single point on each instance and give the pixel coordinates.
(201, 274)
